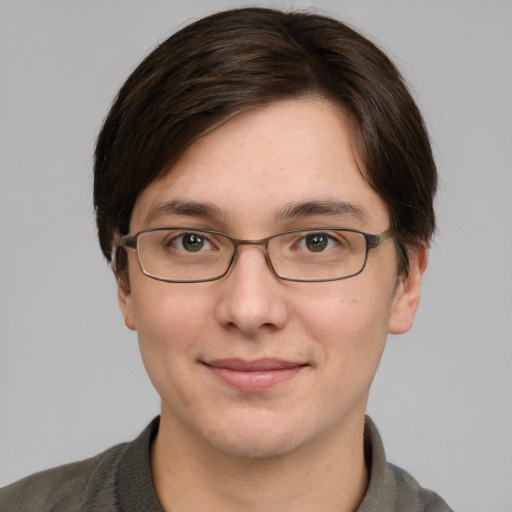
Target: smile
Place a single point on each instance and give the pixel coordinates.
(253, 376)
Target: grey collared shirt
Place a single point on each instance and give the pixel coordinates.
(119, 480)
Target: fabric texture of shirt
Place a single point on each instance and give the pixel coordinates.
(119, 480)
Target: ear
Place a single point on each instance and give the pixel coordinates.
(407, 294)
(124, 298)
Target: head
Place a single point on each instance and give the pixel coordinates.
(251, 116)
(237, 60)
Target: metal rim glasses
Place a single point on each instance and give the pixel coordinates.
(189, 255)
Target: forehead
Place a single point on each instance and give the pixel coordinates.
(262, 165)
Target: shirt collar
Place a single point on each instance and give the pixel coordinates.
(136, 490)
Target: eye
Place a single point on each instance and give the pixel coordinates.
(190, 242)
(316, 242)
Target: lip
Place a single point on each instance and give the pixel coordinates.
(253, 376)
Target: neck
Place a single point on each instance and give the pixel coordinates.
(327, 474)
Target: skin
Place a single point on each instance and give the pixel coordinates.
(298, 444)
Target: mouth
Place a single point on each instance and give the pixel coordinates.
(253, 376)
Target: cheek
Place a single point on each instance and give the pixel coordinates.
(349, 333)
(349, 326)
(169, 321)
(166, 311)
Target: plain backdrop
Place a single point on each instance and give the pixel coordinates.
(71, 380)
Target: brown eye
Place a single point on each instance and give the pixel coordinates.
(192, 242)
(317, 242)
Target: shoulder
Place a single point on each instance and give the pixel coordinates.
(84, 485)
(390, 488)
(409, 493)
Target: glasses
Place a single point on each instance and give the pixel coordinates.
(183, 255)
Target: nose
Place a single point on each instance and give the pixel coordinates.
(252, 296)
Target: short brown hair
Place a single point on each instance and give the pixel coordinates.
(238, 59)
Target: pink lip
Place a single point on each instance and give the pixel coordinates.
(257, 375)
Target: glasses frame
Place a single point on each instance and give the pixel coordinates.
(372, 241)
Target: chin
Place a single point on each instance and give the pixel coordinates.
(256, 436)
(255, 446)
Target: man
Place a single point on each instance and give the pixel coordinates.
(263, 189)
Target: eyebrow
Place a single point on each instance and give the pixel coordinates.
(333, 207)
(183, 208)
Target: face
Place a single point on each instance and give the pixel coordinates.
(252, 365)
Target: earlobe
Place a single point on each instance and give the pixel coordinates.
(407, 294)
(124, 298)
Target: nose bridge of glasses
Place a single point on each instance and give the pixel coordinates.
(261, 244)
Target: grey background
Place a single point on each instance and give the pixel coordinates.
(71, 380)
